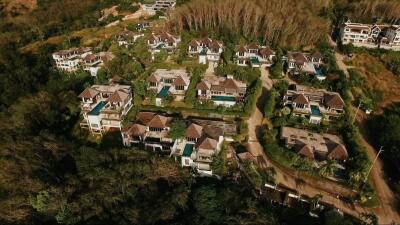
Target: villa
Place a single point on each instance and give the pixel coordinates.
(71, 60)
(207, 50)
(254, 55)
(197, 149)
(150, 130)
(143, 25)
(127, 38)
(160, 5)
(169, 82)
(314, 104)
(314, 146)
(163, 40)
(104, 107)
(299, 62)
(371, 35)
(224, 91)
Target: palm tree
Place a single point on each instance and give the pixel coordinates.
(328, 169)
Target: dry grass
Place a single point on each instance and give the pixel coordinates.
(378, 78)
(89, 36)
(18, 7)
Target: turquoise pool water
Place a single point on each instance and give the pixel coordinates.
(318, 71)
(163, 93)
(223, 98)
(254, 61)
(96, 110)
(315, 110)
(187, 151)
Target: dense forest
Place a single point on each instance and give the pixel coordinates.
(49, 175)
(385, 130)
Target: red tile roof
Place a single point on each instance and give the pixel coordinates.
(89, 93)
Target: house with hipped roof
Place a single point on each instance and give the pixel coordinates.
(150, 130)
(308, 63)
(314, 104)
(199, 146)
(385, 36)
(254, 55)
(104, 107)
(314, 146)
(162, 40)
(169, 82)
(207, 50)
(126, 38)
(224, 91)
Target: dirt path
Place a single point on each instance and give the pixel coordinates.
(305, 186)
(387, 198)
(342, 66)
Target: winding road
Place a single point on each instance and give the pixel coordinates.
(311, 187)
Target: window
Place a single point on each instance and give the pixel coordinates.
(187, 162)
(153, 84)
(180, 88)
(241, 53)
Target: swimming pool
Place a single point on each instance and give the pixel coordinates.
(96, 110)
(163, 93)
(187, 151)
(315, 110)
(223, 98)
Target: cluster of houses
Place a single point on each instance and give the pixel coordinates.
(316, 105)
(371, 35)
(104, 107)
(225, 91)
(202, 140)
(73, 59)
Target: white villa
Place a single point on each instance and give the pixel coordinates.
(160, 5)
(224, 91)
(169, 82)
(254, 55)
(163, 40)
(71, 60)
(314, 104)
(104, 107)
(207, 50)
(371, 35)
